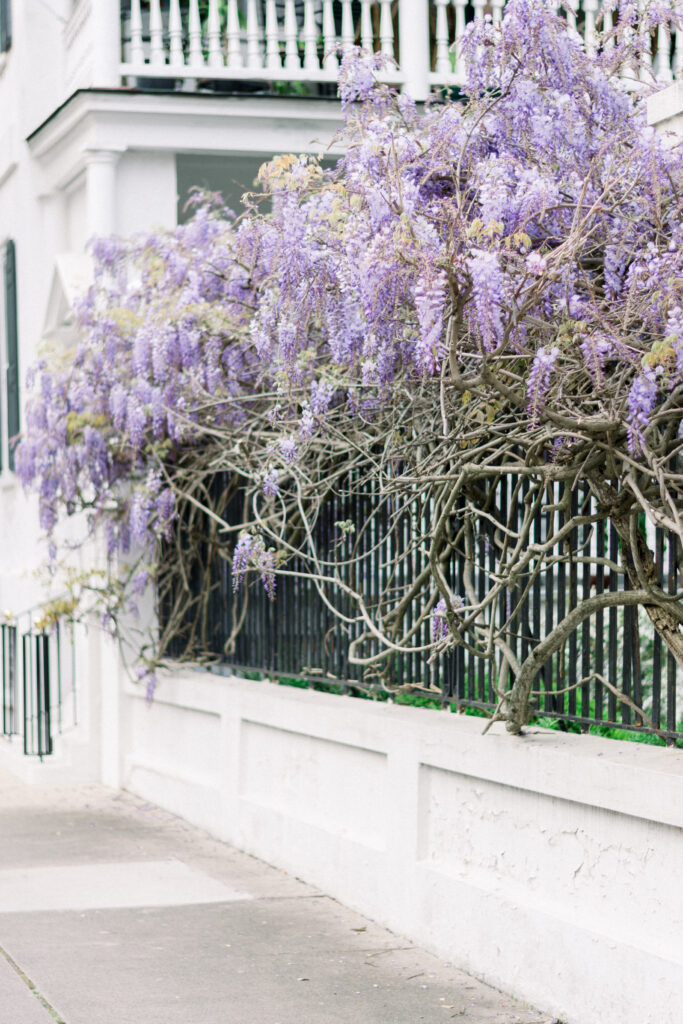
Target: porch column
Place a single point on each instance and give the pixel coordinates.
(101, 191)
(413, 36)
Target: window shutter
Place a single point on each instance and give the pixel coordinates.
(12, 347)
(5, 25)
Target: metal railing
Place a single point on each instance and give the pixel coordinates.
(38, 685)
(205, 41)
(10, 696)
(613, 671)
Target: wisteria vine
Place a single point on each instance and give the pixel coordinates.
(488, 287)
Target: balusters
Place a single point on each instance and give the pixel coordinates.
(272, 37)
(194, 32)
(606, 26)
(443, 64)
(570, 14)
(497, 9)
(678, 55)
(213, 34)
(292, 33)
(647, 64)
(663, 55)
(330, 61)
(291, 46)
(137, 54)
(386, 29)
(479, 6)
(644, 72)
(630, 71)
(347, 33)
(234, 48)
(310, 37)
(589, 12)
(367, 36)
(175, 33)
(254, 41)
(460, 6)
(156, 48)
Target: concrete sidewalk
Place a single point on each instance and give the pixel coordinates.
(115, 912)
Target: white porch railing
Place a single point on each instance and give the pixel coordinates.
(296, 40)
(257, 40)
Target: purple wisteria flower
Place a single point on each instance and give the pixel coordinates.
(288, 449)
(357, 75)
(271, 483)
(487, 298)
(538, 381)
(536, 264)
(241, 558)
(430, 300)
(440, 627)
(250, 553)
(641, 403)
(307, 423)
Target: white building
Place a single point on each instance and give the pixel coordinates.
(109, 112)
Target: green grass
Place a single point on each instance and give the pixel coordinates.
(608, 732)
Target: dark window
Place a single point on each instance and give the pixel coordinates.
(5, 25)
(232, 175)
(12, 349)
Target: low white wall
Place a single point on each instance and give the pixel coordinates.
(549, 865)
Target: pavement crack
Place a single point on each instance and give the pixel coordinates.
(57, 1017)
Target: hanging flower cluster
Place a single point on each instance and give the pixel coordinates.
(160, 329)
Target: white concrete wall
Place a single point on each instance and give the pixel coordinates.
(548, 865)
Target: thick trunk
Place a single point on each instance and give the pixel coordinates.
(516, 710)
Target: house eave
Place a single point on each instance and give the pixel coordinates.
(119, 120)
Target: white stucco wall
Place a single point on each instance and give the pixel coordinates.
(548, 865)
(146, 191)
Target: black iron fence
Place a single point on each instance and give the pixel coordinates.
(613, 671)
(10, 697)
(38, 686)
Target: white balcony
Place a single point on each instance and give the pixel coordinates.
(193, 42)
(192, 45)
